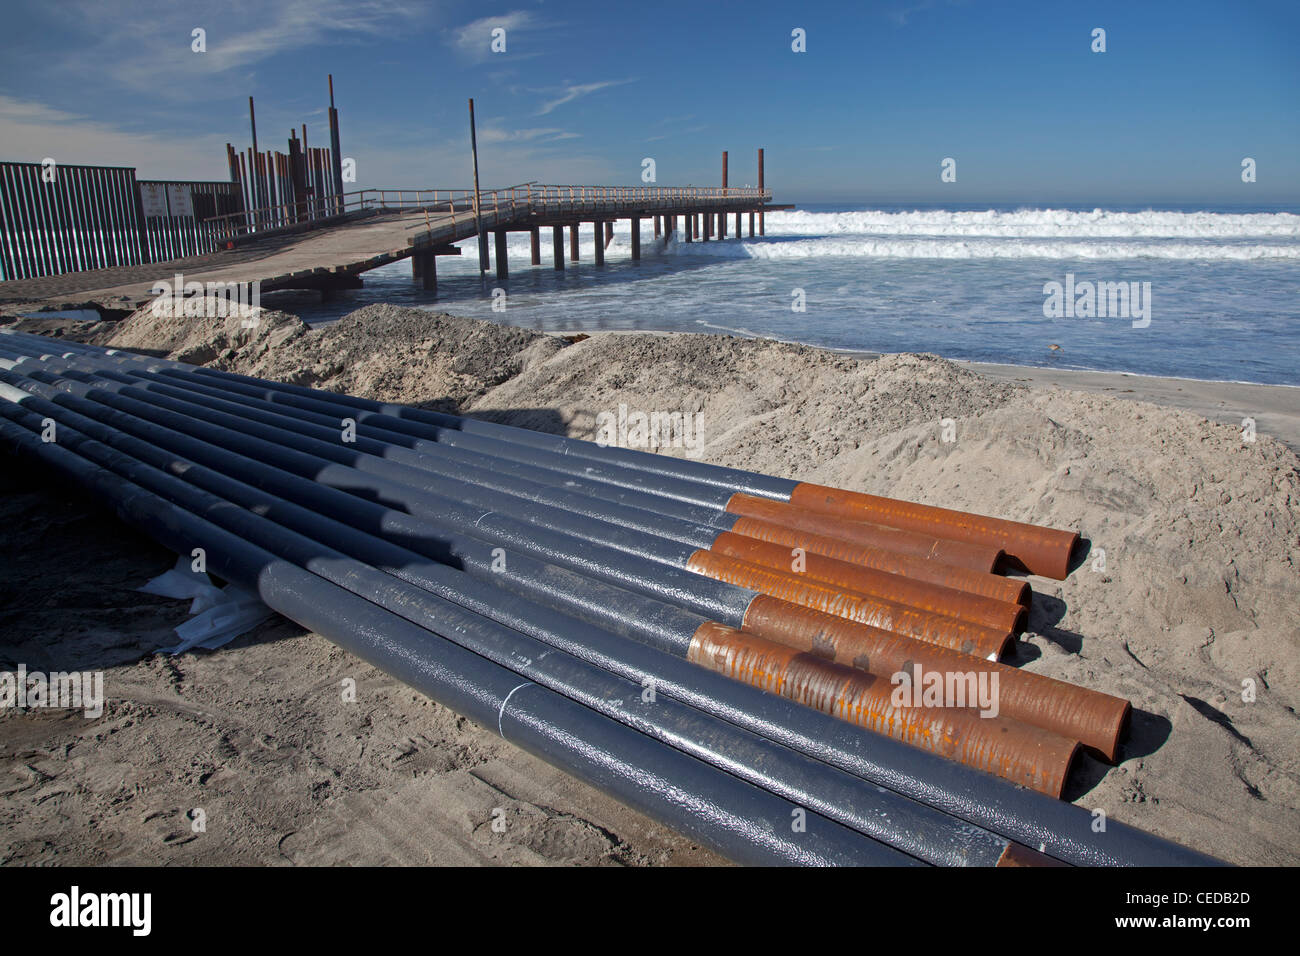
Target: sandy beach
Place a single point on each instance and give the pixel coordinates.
(1191, 592)
(1275, 409)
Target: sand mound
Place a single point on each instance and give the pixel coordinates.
(381, 351)
(206, 340)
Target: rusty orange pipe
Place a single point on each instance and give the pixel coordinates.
(985, 642)
(976, 557)
(950, 602)
(1019, 855)
(910, 566)
(1040, 550)
(1026, 755)
(1094, 719)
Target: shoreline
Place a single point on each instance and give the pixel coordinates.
(1274, 407)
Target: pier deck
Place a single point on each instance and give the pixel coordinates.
(377, 227)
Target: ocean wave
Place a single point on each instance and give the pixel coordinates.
(1038, 223)
(971, 248)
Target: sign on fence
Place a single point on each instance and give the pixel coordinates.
(178, 197)
(153, 197)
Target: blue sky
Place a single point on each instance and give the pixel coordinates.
(584, 91)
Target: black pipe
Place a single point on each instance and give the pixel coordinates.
(642, 511)
(665, 625)
(729, 479)
(908, 826)
(697, 502)
(599, 549)
(542, 476)
(1065, 831)
(737, 819)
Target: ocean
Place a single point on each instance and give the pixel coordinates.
(1188, 292)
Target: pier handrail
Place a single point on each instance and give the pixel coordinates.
(534, 198)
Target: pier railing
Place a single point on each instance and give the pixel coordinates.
(496, 206)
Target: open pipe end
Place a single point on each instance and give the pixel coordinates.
(1109, 744)
(1054, 784)
(1000, 651)
(1054, 554)
(1021, 621)
(1079, 551)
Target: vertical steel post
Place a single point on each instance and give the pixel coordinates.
(722, 216)
(337, 156)
(478, 211)
(258, 201)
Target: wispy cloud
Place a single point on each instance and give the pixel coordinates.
(680, 132)
(474, 39)
(501, 163)
(32, 131)
(147, 46)
(571, 93)
(494, 134)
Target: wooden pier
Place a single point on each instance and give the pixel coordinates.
(377, 227)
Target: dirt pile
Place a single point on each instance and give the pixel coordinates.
(381, 351)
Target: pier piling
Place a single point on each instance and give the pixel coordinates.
(503, 267)
(722, 216)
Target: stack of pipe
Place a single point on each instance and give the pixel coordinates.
(717, 648)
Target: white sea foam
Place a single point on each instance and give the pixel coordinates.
(1024, 234)
(910, 248)
(1038, 223)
